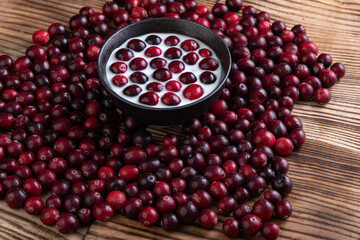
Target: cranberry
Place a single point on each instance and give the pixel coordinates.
(272, 196)
(284, 146)
(270, 230)
(241, 211)
(132, 90)
(231, 228)
(198, 183)
(193, 91)
(153, 40)
(187, 212)
(169, 222)
(49, 216)
(85, 216)
(255, 185)
(173, 53)
(202, 199)
(208, 218)
(32, 187)
(338, 69)
(263, 209)
(322, 95)
(103, 211)
(282, 184)
(15, 198)
(165, 204)
(67, 223)
(132, 207)
(283, 209)
(250, 224)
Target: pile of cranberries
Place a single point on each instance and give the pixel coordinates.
(60, 132)
(186, 60)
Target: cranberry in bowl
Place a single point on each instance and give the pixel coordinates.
(164, 71)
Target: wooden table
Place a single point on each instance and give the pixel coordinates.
(325, 171)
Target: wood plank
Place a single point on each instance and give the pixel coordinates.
(325, 171)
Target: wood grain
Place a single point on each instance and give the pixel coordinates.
(325, 171)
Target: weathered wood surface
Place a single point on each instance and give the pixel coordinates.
(325, 171)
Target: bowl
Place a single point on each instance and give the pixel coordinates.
(171, 115)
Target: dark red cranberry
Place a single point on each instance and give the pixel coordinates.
(282, 184)
(263, 209)
(272, 196)
(132, 207)
(54, 201)
(256, 185)
(283, 209)
(250, 224)
(241, 211)
(67, 223)
(270, 230)
(231, 228)
(15, 198)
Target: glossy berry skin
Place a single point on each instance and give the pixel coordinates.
(231, 228)
(284, 146)
(15, 198)
(322, 95)
(255, 185)
(241, 211)
(148, 216)
(169, 222)
(165, 204)
(41, 37)
(67, 223)
(270, 230)
(187, 212)
(132, 207)
(49, 216)
(250, 224)
(283, 209)
(103, 211)
(263, 209)
(34, 205)
(208, 218)
(282, 184)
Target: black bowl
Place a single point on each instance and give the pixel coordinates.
(175, 114)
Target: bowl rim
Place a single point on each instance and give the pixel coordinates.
(105, 83)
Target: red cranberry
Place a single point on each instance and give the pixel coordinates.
(241, 211)
(338, 69)
(15, 198)
(157, 10)
(32, 187)
(187, 212)
(255, 185)
(169, 222)
(91, 197)
(270, 230)
(250, 224)
(231, 228)
(282, 184)
(272, 196)
(208, 218)
(67, 223)
(132, 207)
(284, 146)
(103, 211)
(132, 90)
(283, 209)
(165, 204)
(85, 216)
(148, 216)
(263, 209)
(49, 216)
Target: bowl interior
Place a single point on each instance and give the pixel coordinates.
(165, 25)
